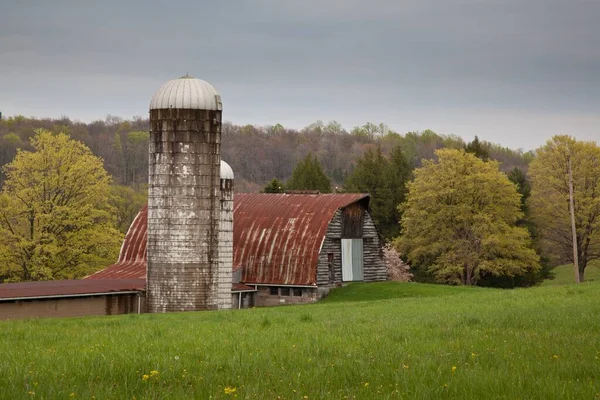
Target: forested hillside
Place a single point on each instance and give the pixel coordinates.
(257, 153)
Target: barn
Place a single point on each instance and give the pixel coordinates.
(294, 247)
(287, 248)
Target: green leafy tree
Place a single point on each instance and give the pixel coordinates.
(531, 277)
(136, 157)
(384, 178)
(478, 149)
(55, 217)
(460, 218)
(550, 198)
(275, 186)
(309, 175)
(127, 203)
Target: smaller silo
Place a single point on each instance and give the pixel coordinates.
(225, 237)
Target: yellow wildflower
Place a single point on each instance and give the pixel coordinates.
(153, 373)
(555, 357)
(453, 368)
(230, 390)
(366, 384)
(145, 377)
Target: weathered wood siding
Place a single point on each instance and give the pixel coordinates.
(374, 269)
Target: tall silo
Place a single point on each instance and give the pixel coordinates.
(226, 233)
(184, 197)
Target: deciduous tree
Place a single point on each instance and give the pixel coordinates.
(460, 218)
(55, 217)
(127, 203)
(550, 198)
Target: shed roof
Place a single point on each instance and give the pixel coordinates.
(276, 237)
(68, 288)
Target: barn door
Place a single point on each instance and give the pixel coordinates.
(352, 260)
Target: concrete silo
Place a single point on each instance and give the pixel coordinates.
(184, 199)
(226, 230)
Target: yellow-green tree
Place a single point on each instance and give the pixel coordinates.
(127, 203)
(549, 202)
(459, 221)
(55, 217)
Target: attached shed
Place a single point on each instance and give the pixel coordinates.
(71, 298)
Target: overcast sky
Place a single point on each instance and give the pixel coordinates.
(514, 72)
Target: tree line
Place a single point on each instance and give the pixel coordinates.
(257, 154)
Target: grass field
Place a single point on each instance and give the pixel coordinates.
(367, 341)
(564, 275)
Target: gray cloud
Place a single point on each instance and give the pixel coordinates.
(453, 65)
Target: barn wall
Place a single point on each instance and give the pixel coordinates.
(264, 298)
(71, 307)
(247, 300)
(374, 269)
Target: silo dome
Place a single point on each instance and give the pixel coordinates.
(226, 171)
(186, 92)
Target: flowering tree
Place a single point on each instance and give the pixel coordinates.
(397, 269)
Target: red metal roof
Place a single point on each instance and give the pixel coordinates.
(9, 291)
(240, 287)
(132, 258)
(276, 237)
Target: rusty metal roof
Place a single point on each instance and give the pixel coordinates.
(68, 288)
(276, 237)
(132, 258)
(240, 287)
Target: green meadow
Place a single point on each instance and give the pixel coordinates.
(366, 341)
(564, 275)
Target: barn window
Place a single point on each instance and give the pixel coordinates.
(273, 291)
(297, 292)
(285, 291)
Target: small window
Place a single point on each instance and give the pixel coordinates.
(285, 291)
(273, 291)
(297, 292)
